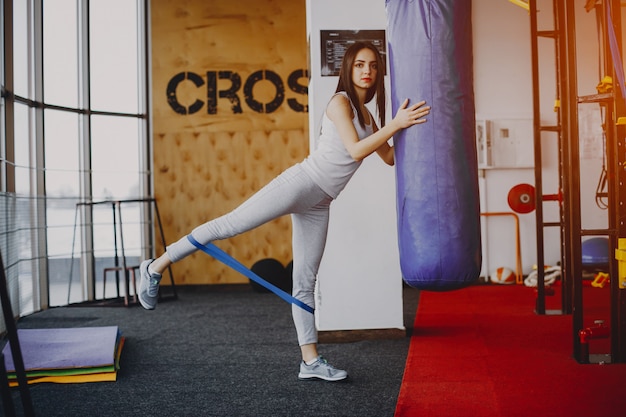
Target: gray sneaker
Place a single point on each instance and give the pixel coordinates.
(148, 286)
(321, 369)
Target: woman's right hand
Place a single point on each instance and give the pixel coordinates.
(409, 116)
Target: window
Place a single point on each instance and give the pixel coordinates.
(114, 46)
(21, 50)
(60, 52)
(74, 132)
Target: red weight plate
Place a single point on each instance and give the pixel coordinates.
(521, 198)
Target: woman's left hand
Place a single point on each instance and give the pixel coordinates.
(413, 115)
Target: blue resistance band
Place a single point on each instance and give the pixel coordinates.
(226, 259)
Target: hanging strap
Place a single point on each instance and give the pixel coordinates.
(226, 259)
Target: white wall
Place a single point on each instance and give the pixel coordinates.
(359, 282)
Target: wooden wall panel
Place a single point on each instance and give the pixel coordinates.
(206, 163)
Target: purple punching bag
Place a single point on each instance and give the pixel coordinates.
(430, 55)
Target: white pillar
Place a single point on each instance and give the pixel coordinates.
(359, 282)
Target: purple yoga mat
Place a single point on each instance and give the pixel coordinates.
(83, 347)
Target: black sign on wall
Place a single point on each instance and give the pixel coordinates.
(335, 42)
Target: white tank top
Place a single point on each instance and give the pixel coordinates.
(330, 165)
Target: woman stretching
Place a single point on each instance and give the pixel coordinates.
(305, 191)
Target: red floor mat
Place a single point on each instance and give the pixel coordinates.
(482, 351)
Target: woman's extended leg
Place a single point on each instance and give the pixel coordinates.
(292, 191)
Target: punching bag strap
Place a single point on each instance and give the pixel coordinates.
(226, 259)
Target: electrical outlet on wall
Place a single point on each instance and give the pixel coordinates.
(483, 143)
(505, 143)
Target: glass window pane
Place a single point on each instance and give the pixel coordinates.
(3, 157)
(22, 150)
(24, 223)
(64, 251)
(114, 55)
(20, 48)
(62, 189)
(61, 154)
(115, 167)
(60, 52)
(115, 157)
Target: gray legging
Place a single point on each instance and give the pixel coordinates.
(292, 192)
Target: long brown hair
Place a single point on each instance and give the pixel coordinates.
(378, 89)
